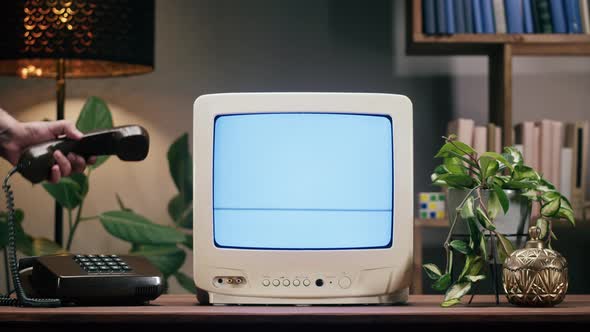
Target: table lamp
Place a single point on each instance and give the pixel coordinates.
(62, 39)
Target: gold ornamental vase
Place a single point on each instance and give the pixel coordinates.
(535, 276)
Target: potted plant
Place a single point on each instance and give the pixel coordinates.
(488, 188)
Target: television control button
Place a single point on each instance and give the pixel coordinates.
(296, 282)
(104, 268)
(265, 282)
(99, 264)
(276, 282)
(286, 282)
(83, 259)
(344, 282)
(107, 259)
(306, 282)
(112, 264)
(94, 259)
(91, 268)
(114, 256)
(126, 268)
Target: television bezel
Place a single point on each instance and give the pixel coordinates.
(394, 263)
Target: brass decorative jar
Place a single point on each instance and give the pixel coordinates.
(535, 276)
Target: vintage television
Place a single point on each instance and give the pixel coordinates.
(302, 198)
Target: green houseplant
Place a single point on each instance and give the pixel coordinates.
(490, 174)
(164, 245)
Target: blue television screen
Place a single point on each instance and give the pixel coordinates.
(303, 181)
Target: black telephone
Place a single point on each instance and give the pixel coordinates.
(50, 281)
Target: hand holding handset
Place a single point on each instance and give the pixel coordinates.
(80, 278)
(129, 143)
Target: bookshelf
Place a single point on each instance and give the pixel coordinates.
(500, 49)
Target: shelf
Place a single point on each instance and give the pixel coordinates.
(483, 44)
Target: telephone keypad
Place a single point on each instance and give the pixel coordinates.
(102, 263)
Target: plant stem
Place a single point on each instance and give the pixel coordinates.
(89, 218)
(448, 239)
(70, 219)
(73, 229)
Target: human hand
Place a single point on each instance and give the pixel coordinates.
(15, 137)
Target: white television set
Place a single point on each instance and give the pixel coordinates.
(303, 198)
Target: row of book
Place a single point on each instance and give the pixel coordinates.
(557, 150)
(445, 17)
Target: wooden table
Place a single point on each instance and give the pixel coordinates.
(182, 312)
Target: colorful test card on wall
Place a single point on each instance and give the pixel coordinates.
(432, 205)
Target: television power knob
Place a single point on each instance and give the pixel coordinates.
(344, 282)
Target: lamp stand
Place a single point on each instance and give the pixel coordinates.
(60, 80)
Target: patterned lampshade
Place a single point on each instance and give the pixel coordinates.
(95, 38)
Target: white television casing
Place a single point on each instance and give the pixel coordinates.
(350, 276)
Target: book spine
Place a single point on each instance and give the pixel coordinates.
(514, 16)
(572, 15)
(459, 16)
(477, 16)
(585, 12)
(488, 16)
(428, 17)
(441, 23)
(544, 12)
(499, 16)
(450, 16)
(536, 16)
(558, 16)
(528, 17)
(468, 14)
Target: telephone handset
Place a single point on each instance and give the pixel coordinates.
(129, 143)
(81, 279)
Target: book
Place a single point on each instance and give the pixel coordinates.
(499, 16)
(441, 23)
(556, 146)
(545, 147)
(480, 142)
(577, 138)
(491, 139)
(558, 16)
(572, 16)
(468, 14)
(567, 156)
(536, 148)
(459, 16)
(463, 128)
(514, 16)
(428, 14)
(528, 16)
(524, 134)
(477, 16)
(585, 15)
(499, 147)
(536, 21)
(487, 11)
(544, 12)
(450, 16)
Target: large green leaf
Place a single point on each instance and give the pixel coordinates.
(458, 290)
(483, 219)
(442, 283)
(186, 282)
(505, 247)
(460, 246)
(455, 166)
(451, 149)
(181, 211)
(131, 227)
(167, 258)
(513, 156)
(95, 114)
(68, 191)
(501, 195)
(498, 157)
(432, 271)
(551, 208)
(180, 165)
